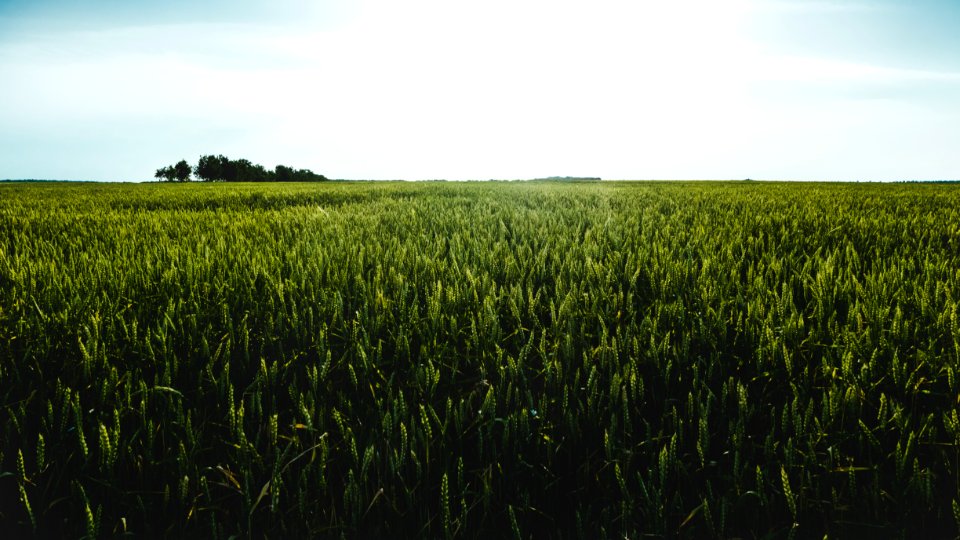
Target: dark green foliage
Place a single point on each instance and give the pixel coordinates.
(182, 170)
(283, 173)
(221, 168)
(480, 360)
(209, 168)
(166, 174)
(179, 172)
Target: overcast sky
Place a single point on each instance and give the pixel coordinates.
(424, 89)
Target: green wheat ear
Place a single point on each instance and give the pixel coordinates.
(445, 505)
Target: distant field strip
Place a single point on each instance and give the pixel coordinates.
(497, 360)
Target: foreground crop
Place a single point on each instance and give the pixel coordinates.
(431, 360)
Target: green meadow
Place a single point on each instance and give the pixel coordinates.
(463, 360)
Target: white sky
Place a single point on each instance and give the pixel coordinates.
(423, 89)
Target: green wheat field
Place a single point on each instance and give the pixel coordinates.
(465, 360)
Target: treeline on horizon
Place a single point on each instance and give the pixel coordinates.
(223, 169)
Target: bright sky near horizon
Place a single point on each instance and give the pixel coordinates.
(425, 89)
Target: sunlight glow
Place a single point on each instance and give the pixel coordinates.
(507, 89)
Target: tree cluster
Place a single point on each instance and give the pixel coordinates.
(175, 173)
(223, 169)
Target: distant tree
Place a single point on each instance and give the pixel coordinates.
(210, 168)
(306, 175)
(165, 174)
(244, 170)
(229, 172)
(282, 173)
(182, 170)
(257, 173)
